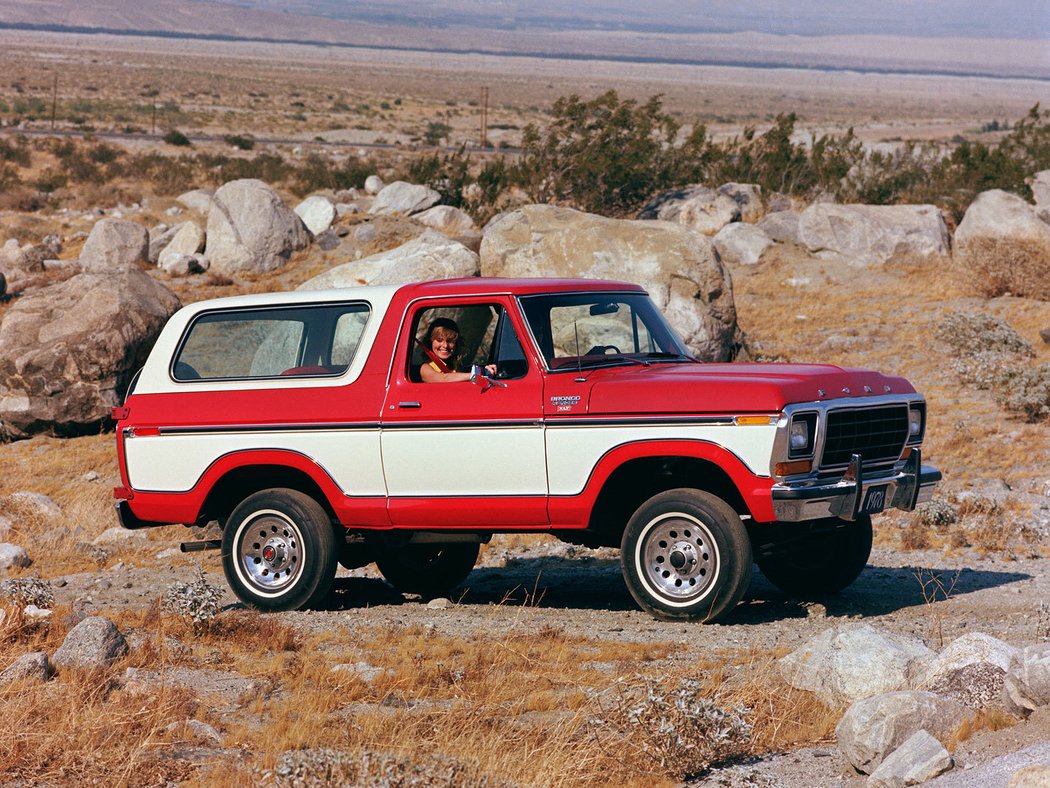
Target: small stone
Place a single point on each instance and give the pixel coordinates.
(365, 233)
(90, 476)
(364, 671)
(1044, 334)
(93, 643)
(28, 666)
(38, 502)
(441, 603)
(13, 557)
(37, 613)
(197, 730)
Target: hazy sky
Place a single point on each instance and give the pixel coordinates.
(990, 18)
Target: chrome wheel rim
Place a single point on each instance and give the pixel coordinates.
(270, 551)
(677, 557)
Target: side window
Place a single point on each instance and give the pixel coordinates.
(272, 342)
(485, 336)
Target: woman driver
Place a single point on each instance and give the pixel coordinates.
(446, 352)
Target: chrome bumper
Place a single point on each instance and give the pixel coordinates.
(854, 494)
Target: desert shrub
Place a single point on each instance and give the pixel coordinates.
(915, 536)
(50, 180)
(969, 333)
(166, 175)
(608, 155)
(196, 601)
(1020, 266)
(177, 138)
(976, 504)
(24, 591)
(680, 729)
(1026, 392)
(8, 176)
(240, 141)
(320, 172)
(938, 513)
(15, 150)
(322, 766)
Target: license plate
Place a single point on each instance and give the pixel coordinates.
(874, 500)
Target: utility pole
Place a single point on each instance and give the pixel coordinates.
(54, 100)
(484, 142)
(154, 127)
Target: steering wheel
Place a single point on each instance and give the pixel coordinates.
(603, 350)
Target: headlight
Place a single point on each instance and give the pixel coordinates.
(801, 433)
(916, 422)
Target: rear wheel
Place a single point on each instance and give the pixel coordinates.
(686, 555)
(279, 550)
(825, 560)
(428, 569)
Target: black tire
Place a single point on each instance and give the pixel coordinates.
(822, 562)
(686, 555)
(279, 550)
(428, 569)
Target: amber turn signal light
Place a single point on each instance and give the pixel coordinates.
(906, 453)
(791, 468)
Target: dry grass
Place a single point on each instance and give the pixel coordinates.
(998, 266)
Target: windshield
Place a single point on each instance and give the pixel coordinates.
(588, 329)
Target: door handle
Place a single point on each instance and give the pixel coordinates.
(408, 405)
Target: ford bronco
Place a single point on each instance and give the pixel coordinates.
(300, 423)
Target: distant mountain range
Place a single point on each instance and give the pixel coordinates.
(821, 34)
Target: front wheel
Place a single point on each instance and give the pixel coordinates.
(686, 555)
(428, 569)
(279, 550)
(824, 559)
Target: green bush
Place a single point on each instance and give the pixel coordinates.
(240, 141)
(177, 138)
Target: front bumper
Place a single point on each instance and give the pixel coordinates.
(853, 494)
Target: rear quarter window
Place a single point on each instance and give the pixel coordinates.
(300, 341)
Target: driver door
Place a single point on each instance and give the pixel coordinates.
(466, 454)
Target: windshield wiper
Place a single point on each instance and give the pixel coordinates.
(663, 356)
(589, 362)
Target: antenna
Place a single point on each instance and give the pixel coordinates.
(579, 362)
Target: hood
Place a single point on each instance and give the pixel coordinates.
(731, 388)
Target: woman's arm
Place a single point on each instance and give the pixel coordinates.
(431, 375)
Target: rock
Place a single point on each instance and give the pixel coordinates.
(430, 256)
(1004, 246)
(970, 669)
(347, 208)
(1035, 776)
(68, 351)
(187, 264)
(440, 603)
(365, 233)
(114, 244)
(250, 229)
(28, 667)
(93, 643)
(679, 268)
(403, 198)
(38, 503)
(196, 199)
(1044, 334)
(741, 243)
(328, 241)
(748, 196)
(187, 241)
(366, 672)
(872, 728)
(866, 234)
(37, 613)
(317, 213)
(174, 210)
(11, 254)
(781, 226)
(202, 681)
(917, 760)
(448, 220)
(696, 207)
(13, 557)
(119, 535)
(159, 237)
(1027, 683)
(373, 184)
(853, 661)
(1040, 184)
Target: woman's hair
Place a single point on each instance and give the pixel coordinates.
(442, 327)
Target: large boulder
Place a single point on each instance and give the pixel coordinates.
(250, 229)
(696, 207)
(430, 256)
(93, 643)
(970, 669)
(187, 241)
(853, 661)
(67, 352)
(741, 243)
(447, 220)
(114, 244)
(1027, 685)
(679, 268)
(196, 199)
(1004, 246)
(404, 198)
(1040, 184)
(866, 234)
(28, 667)
(317, 213)
(873, 728)
(781, 226)
(748, 196)
(919, 759)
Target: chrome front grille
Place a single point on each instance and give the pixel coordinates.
(877, 434)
